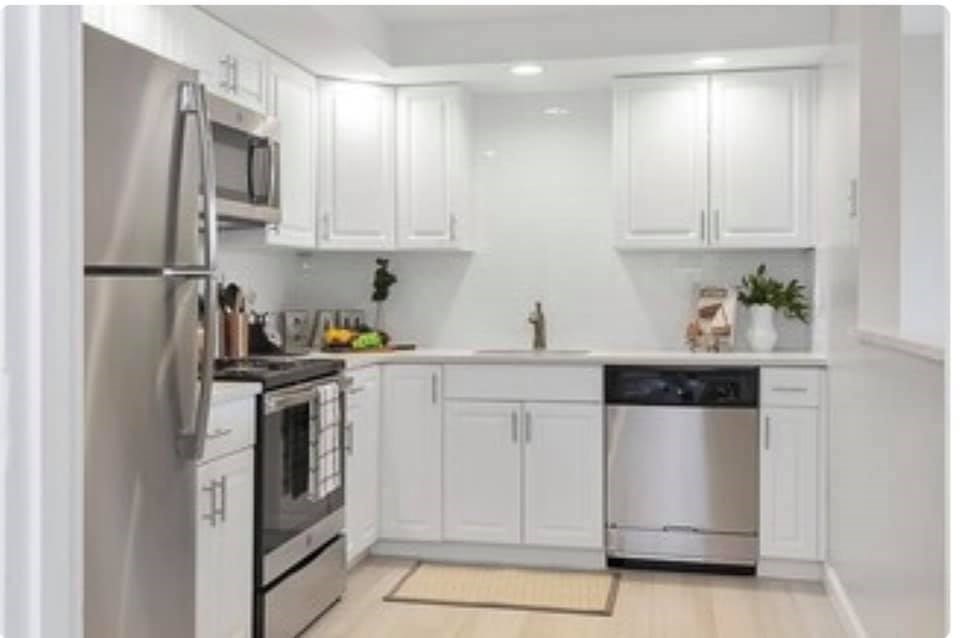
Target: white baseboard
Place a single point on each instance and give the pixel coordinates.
(841, 603)
(790, 569)
(493, 554)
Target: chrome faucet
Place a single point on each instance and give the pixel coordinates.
(539, 322)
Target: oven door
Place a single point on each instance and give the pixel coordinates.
(301, 481)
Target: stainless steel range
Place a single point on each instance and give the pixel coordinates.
(300, 567)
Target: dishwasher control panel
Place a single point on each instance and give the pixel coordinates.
(642, 385)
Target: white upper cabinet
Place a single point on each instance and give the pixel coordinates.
(158, 29)
(411, 469)
(482, 478)
(760, 158)
(563, 457)
(293, 102)
(432, 167)
(356, 166)
(230, 65)
(660, 161)
(713, 160)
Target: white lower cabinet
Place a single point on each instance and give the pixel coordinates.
(523, 473)
(563, 459)
(224, 568)
(363, 462)
(789, 483)
(411, 470)
(482, 478)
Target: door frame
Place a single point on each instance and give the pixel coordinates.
(41, 352)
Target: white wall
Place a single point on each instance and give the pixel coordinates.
(886, 518)
(544, 204)
(923, 243)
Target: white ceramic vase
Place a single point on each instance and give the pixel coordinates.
(762, 335)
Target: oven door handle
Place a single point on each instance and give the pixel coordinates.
(277, 401)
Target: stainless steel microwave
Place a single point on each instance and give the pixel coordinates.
(246, 151)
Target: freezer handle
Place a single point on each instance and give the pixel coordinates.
(193, 102)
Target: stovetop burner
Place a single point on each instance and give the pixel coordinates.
(275, 371)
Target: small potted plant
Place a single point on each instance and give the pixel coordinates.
(763, 296)
(382, 280)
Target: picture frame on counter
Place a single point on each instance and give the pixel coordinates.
(713, 322)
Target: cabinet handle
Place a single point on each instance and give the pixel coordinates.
(529, 426)
(716, 225)
(766, 433)
(784, 388)
(223, 498)
(703, 225)
(233, 67)
(225, 65)
(453, 227)
(326, 226)
(433, 387)
(356, 389)
(513, 426)
(212, 516)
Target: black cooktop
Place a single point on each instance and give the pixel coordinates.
(275, 371)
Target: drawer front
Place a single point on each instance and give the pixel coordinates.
(357, 380)
(790, 387)
(232, 427)
(524, 382)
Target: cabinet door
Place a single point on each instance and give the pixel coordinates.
(157, 29)
(205, 50)
(411, 454)
(660, 161)
(563, 475)
(225, 547)
(482, 474)
(788, 483)
(356, 166)
(432, 167)
(760, 158)
(363, 462)
(250, 71)
(293, 103)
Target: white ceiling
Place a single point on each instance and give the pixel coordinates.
(579, 46)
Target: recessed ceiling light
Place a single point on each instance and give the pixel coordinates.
(526, 69)
(556, 110)
(710, 60)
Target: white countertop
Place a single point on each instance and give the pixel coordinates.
(583, 357)
(227, 391)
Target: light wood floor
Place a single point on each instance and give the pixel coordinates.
(649, 605)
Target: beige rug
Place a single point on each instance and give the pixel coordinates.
(508, 588)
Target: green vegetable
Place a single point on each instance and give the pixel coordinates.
(367, 341)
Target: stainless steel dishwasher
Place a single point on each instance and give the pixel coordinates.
(682, 467)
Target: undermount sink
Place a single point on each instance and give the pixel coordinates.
(531, 352)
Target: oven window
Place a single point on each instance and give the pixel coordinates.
(300, 467)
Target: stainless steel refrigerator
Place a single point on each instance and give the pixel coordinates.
(149, 248)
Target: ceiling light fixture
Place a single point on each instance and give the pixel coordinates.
(556, 110)
(526, 69)
(710, 60)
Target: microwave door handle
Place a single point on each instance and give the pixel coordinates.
(193, 101)
(273, 166)
(251, 177)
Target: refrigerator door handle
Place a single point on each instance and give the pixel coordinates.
(193, 101)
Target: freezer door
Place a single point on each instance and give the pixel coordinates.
(140, 391)
(682, 468)
(141, 164)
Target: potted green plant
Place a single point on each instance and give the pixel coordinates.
(382, 280)
(763, 296)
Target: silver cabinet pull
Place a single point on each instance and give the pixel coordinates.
(716, 225)
(513, 426)
(223, 498)
(453, 227)
(211, 489)
(433, 387)
(766, 433)
(529, 427)
(226, 82)
(326, 226)
(783, 388)
(703, 225)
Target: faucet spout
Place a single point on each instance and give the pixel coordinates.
(539, 322)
